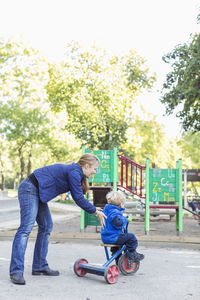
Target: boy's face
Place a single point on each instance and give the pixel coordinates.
(121, 204)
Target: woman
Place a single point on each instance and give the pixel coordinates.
(34, 192)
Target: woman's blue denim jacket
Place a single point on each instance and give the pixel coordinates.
(57, 179)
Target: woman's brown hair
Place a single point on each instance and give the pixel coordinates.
(89, 159)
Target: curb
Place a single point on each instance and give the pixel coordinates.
(75, 210)
(96, 236)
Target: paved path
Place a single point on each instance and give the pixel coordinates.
(165, 274)
(10, 216)
(170, 269)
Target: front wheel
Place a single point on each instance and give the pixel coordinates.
(77, 269)
(111, 274)
(125, 267)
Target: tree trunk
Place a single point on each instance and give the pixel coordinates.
(22, 165)
(29, 166)
(2, 181)
(2, 174)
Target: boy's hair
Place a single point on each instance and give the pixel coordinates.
(116, 198)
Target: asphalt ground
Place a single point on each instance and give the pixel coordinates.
(165, 273)
(169, 271)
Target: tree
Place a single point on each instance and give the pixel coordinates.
(23, 74)
(144, 139)
(97, 91)
(182, 87)
(190, 145)
(34, 134)
(3, 162)
(24, 127)
(22, 91)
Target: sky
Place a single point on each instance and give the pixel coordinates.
(151, 27)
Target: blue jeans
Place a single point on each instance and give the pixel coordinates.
(31, 210)
(128, 239)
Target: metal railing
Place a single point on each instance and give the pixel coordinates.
(131, 176)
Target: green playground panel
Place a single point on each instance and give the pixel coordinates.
(105, 171)
(91, 220)
(163, 186)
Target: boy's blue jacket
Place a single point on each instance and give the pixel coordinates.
(114, 224)
(57, 179)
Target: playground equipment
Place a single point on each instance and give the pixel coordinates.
(105, 179)
(157, 189)
(131, 176)
(192, 212)
(164, 190)
(110, 272)
(161, 188)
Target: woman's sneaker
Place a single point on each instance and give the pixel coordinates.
(17, 278)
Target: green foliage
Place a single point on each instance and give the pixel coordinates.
(97, 92)
(22, 124)
(22, 89)
(182, 87)
(25, 127)
(23, 73)
(144, 139)
(190, 145)
(92, 96)
(25, 121)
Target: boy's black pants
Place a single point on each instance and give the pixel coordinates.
(128, 239)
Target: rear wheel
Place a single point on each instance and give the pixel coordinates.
(125, 267)
(111, 274)
(77, 269)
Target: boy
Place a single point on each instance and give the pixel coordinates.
(195, 209)
(114, 231)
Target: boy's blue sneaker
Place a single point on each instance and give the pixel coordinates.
(135, 256)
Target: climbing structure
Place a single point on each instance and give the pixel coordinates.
(159, 188)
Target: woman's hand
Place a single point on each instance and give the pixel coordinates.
(99, 208)
(101, 216)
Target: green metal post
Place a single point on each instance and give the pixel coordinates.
(115, 163)
(147, 198)
(177, 197)
(180, 219)
(82, 223)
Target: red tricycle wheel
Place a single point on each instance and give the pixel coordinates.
(78, 270)
(111, 274)
(125, 268)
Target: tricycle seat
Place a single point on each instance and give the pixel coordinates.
(109, 245)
